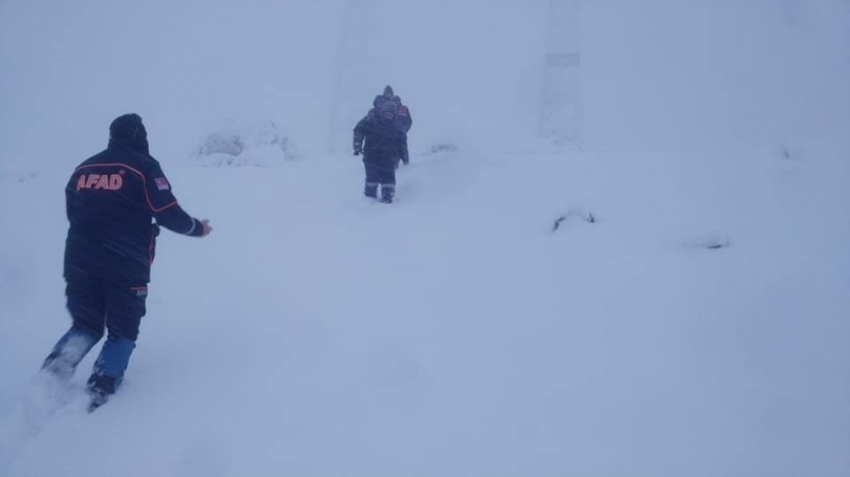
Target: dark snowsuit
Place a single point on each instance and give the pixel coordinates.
(111, 200)
(385, 145)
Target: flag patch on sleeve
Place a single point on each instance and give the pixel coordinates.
(162, 184)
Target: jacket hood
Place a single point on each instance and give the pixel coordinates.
(129, 131)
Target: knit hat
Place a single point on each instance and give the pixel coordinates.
(388, 91)
(129, 130)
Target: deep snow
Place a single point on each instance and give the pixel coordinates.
(453, 334)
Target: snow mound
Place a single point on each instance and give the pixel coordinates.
(265, 146)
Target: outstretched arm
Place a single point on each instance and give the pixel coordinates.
(165, 208)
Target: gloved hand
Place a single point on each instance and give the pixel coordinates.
(357, 152)
(207, 227)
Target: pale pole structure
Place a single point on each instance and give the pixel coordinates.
(561, 98)
(347, 101)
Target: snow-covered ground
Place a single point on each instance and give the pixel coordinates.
(699, 327)
(453, 333)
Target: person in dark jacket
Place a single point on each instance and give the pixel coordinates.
(403, 120)
(385, 145)
(403, 117)
(112, 201)
(382, 98)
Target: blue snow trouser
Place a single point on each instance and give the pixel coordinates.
(380, 174)
(94, 305)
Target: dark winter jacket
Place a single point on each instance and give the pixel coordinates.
(111, 200)
(385, 142)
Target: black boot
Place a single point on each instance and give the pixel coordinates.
(371, 190)
(387, 193)
(100, 388)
